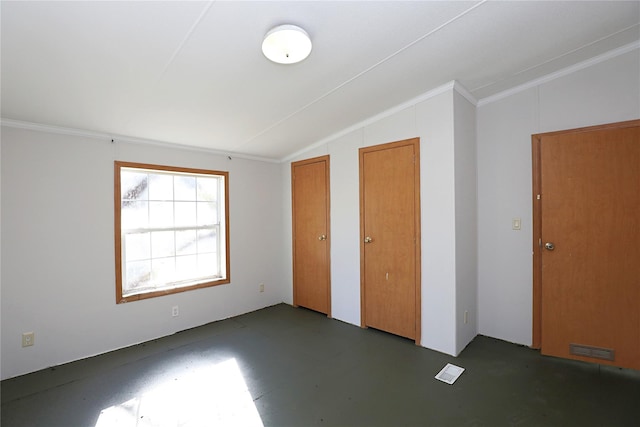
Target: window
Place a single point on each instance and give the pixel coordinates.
(171, 230)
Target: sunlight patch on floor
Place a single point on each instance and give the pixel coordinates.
(213, 395)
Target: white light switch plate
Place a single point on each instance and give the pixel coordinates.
(516, 223)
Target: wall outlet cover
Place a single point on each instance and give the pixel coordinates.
(28, 339)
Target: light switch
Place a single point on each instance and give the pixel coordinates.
(516, 223)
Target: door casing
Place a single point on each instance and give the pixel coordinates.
(537, 218)
(326, 231)
(415, 142)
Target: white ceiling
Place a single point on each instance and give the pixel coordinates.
(192, 73)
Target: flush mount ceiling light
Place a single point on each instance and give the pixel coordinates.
(286, 44)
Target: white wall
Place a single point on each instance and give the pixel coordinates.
(466, 221)
(345, 228)
(0, 254)
(58, 276)
(57, 256)
(437, 198)
(431, 119)
(603, 93)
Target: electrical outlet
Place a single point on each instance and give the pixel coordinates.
(28, 339)
(175, 311)
(261, 287)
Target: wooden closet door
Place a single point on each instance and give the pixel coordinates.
(589, 244)
(390, 230)
(311, 250)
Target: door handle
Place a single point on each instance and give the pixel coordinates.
(323, 237)
(368, 239)
(549, 246)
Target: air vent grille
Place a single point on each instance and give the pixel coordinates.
(589, 351)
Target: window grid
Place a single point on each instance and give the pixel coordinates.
(217, 230)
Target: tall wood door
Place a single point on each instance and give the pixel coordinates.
(311, 250)
(390, 237)
(589, 244)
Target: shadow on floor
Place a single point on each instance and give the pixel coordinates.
(285, 366)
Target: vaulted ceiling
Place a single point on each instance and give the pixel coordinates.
(192, 73)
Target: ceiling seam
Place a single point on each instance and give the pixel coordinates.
(560, 73)
(452, 85)
(171, 60)
(340, 86)
(556, 57)
(184, 40)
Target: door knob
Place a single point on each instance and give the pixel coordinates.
(323, 237)
(549, 246)
(368, 239)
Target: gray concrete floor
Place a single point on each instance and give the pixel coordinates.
(283, 366)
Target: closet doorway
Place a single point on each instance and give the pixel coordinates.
(390, 237)
(586, 198)
(311, 234)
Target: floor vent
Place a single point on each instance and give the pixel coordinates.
(450, 373)
(595, 352)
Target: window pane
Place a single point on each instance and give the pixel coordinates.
(184, 188)
(207, 213)
(138, 275)
(208, 189)
(134, 215)
(163, 271)
(163, 244)
(186, 242)
(160, 187)
(185, 214)
(161, 214)
(133, 185)
(207, 265)
(170, 233)
(207, 241)
(137, 246)
(186, 267)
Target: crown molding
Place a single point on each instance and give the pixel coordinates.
(457, 86)
(561, 73)
(38, 127)
(452, 85)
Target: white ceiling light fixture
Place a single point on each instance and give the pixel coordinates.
(286, 44)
